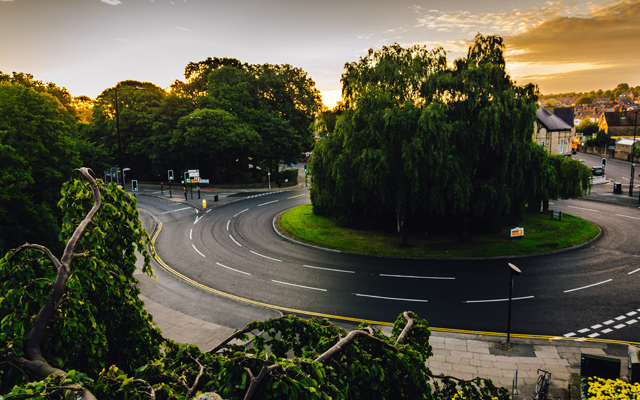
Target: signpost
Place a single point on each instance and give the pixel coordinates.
(517, 232)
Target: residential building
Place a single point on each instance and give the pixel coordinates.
(555, 131)
(619, 123)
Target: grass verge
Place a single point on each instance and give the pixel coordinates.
(541, 235)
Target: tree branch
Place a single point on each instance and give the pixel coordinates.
(230, 338)
(46, 251)
(255, 381)
(34, 362)
(152, 392)
(328, 355)
(453, 378)
(47, 311)
(197, 381)
(403, 335)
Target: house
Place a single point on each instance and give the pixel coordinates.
(555, 130)
(619, 123)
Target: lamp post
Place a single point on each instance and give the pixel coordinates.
(633, 154)
(513, 271)
(118, 133)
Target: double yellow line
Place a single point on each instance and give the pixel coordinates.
(156, 233)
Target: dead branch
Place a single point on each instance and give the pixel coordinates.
(337, 348)
(452, 378)
(197, 381)
(255, 380)
(403, 336)
(34, 362)
(235, 335)
(152, 392)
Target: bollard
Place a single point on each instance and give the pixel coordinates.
(215, 198)
(204, 203)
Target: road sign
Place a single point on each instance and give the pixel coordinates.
(196, 179)
(193, 173)
(517, 232)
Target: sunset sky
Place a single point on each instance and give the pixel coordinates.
(90, 45)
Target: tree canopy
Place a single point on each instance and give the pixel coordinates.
(587, 128)
(37, 154)
(420, 140)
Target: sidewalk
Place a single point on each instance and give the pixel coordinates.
(603, 192)
(463, 356)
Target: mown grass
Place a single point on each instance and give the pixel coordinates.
(541, 235)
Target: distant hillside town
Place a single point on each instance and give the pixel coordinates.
(598, 122)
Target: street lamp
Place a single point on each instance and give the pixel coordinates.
(633, 154)
(118, 132)
(513, 271)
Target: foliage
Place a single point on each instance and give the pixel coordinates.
(100, 320)
(610, 93)
(601, 139)
(63, 96)
(554, 177)
(138, 107)
(584, 100)
(419, 140)
(217, 141)
(598, 388)
(276, 101)
(587, 128)
(37, 155)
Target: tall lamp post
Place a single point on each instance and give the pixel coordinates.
(513, 271)
(120, 170)
(633, 155)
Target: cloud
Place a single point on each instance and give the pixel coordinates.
(183, 29)
(556, 45)
(600, 45)
(112, 2)
(503, 23)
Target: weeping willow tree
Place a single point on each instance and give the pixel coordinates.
(421, 141)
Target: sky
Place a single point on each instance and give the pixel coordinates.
(88, 46)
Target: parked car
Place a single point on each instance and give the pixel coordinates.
(597, 171)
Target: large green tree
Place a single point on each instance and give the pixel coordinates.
(37, 154)
(138, 104)
(216, 142)
(279, 102)
(421, 140)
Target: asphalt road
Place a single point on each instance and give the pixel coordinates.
(587, 292)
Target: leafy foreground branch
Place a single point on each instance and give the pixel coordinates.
(82, 313)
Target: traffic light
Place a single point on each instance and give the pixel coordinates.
(134, 185)
(305, 168)
(604, 162)
(170, 175)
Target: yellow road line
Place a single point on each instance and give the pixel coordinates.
(342, 318)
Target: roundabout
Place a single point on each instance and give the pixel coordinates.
(234, 250)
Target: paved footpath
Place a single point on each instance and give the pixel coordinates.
(463, 356)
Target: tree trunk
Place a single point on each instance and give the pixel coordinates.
(402, 228)
(464, 229)
(545, 205)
